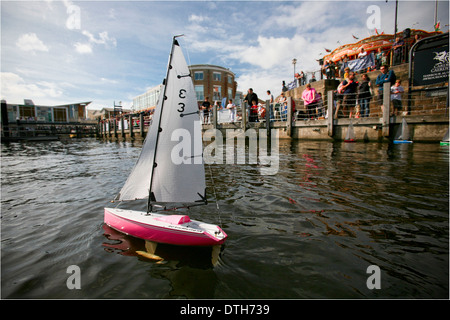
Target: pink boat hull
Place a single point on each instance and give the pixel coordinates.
(171, 229)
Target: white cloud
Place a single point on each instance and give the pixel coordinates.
(83, 48)
(31, 42)
(14, 89)
(197, 18)
(103, 38)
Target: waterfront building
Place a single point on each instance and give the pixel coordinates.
(29, 112)
(147, 100)
(214, 82)
(211, 81)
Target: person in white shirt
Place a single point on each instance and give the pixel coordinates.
(396, 96)
(231, 106)
(362, 53)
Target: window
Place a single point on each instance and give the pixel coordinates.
(26, 112)
(230, 93)
(60, 114)
(198, 75)
(230, 79)
(217, 93)
(217, 76)
(200, 93)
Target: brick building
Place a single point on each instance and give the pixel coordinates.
(213, 81)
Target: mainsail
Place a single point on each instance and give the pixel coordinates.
(403, 132)
(170, 167)
(350, 133)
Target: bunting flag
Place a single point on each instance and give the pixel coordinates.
(355, 37)
(376, 31)
(327, 50)
(437, 26)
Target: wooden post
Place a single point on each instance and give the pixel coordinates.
(330, 119)
(109, 128)
(115, 127)
(289, 117)
(215, 116)
(268, 106)
(122, 123)
(141, 124)
(130, 125)
(244, 115)
(5, 121)
(386, 108)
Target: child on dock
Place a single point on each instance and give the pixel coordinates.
(396, 97)
(253, 112)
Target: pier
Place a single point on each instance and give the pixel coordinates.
(426, 113)
(45, 123)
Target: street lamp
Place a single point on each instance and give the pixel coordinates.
(294, 61)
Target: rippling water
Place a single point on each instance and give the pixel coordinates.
(311, 231)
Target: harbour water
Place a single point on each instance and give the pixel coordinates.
(310, 231)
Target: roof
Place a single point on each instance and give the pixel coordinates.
(383, 41)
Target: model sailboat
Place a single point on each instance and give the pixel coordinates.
(404, 136)
(350, 136)
(160, 176)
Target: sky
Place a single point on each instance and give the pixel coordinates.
(61, 52)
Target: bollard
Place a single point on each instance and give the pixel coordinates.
(268, 118)
(141, 124)
(215, 116)
(386, 108)
(131, 126)
(122, 124)
(330, 122)
(244, 116)
(289, 117)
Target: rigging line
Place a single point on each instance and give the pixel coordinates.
(185, 46)
(215, 195)
(214, 188)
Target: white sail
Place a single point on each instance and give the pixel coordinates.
(171, 160)
(404, 131)
(350, 132)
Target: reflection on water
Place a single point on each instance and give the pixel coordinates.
(183, 266)
(310, 231)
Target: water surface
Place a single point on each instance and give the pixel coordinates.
(311, 231)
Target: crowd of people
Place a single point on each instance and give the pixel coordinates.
(353, 97)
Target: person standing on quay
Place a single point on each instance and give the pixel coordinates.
(349, 88)
(386, 75)
(232, 108)
(270, 104)
(396, 97)
(206, 105)
(309, 97)
(398, 51)
(364, 95)
(250, 97)
(253, 114)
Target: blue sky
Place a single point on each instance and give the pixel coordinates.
(59, 52)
